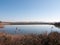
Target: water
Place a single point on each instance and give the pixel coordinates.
(28, 29)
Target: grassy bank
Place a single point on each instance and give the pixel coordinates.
(52, 38)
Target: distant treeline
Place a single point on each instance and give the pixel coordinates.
(30, 23)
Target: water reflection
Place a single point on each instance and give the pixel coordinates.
(58, 26)
(28, 29)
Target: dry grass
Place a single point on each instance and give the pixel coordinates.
(42, 39)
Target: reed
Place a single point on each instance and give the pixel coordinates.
(52, 38)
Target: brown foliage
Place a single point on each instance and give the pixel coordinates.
(52, 38)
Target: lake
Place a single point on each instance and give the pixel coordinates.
(29, 29)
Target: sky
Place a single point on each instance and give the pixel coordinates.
(30, 10)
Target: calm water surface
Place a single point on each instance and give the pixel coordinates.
(28, 29)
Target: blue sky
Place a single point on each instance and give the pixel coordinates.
(30, 10)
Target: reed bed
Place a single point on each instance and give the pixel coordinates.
(52, 38)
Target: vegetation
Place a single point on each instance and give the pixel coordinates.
(52, 38)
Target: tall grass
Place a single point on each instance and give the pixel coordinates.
(52, 38)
